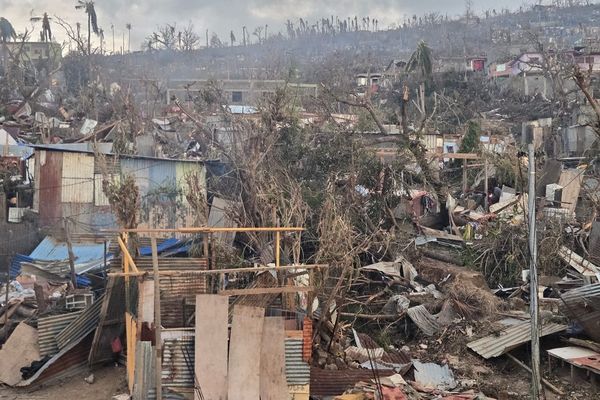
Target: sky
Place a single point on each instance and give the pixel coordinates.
(225, 15)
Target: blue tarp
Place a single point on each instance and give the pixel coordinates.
(168, 244)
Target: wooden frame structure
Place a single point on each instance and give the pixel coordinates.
(130, 270)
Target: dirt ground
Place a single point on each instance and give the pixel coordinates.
(108, 382)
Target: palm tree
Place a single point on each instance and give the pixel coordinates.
(232, 38)
(88, 7)
(7, 32)
(244, 35)
(421, 63)
(128, 27)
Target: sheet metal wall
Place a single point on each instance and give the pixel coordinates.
(49, 328)
(48, 181)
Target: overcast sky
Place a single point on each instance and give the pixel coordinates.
(225, 15)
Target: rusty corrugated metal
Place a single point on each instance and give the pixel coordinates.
(307, 332)
(297, 371)
(48, 168)
(178, 362)
(70, 361)
(583, 305)
(501, 342)
(335, 382)
(173, 263)
(83, 325)
(49, 328)
(178, 297)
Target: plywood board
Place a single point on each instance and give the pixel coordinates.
(19, 351)
(273, 385)
(212, 313)
(244, 353)
(570, 180)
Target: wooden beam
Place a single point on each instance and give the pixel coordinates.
(285, 289)
(127, 255)
(157, 320)
(223, 271)
(459, 156)
(207, 230)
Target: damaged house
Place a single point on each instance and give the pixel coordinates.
(68, 184)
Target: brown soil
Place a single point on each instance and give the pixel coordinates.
(108, 382)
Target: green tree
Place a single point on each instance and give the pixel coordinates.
(470, 141)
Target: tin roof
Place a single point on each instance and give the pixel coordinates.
(335, 382)
(50, 249)
(76, 149)
(501, 342)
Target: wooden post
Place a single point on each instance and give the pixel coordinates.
(70, 251)
(486, 184)
(7, 285)
(464, 176)
(277, 249)
(157, 321)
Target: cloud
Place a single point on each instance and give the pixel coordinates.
(223, 16)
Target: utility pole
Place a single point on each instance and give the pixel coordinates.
(536, 377)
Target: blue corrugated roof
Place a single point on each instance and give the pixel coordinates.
(51, 249)
(166, 245)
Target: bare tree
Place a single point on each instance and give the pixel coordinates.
(189, 38)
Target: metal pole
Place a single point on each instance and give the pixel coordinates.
(536, 383)
(9, 259)
(157, 321)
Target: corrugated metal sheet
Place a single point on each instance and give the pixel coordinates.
(48, 183)
(153, 174)
(178, 296)
(178, 362)
(51, 249)
(583, 305)
(297, 371)
(331, 383)
(173, 263)
(70, 361)
(77, 178)
(497, 344)
(144, 371)
(111, 323)
(48, 328)
(307, 340)
(83, 325)
(100, 198)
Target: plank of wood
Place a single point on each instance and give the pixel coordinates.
(571, 181)
(494, 208)
(440, 234)
(210, 366)
(581, 265)
(273, 385)
(285, 289)
(20, 350)
(244, 353)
